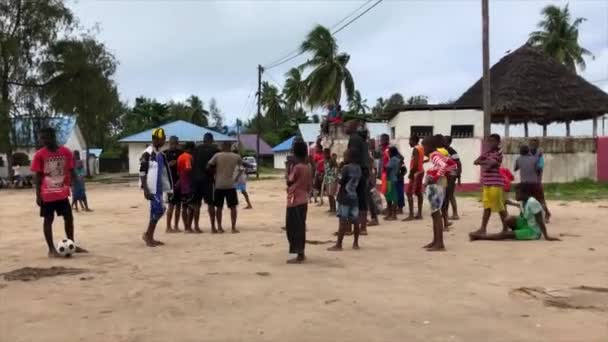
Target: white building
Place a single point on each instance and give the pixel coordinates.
(281, 151)
(68, 135)
(185, 131)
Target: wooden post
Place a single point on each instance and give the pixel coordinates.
(567, 128)
(526, 129)
(595, 126)
(487, 107)
(507, 126)
(544, 130)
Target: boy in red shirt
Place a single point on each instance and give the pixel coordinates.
(184, 184)
(53, 166)
(299, 184)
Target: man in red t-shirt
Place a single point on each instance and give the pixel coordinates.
(54, 169)
(184, 170)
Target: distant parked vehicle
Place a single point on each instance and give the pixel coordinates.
(250, 164)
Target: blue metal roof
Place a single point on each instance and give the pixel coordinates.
(184, 130)
(24, 127)
(284, 146)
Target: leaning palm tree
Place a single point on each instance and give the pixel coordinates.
(558, 37)
(294, 90)
(199, 115)
(329, 72)
(357, 104)
(272, 102)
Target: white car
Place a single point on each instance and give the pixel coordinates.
(250, 164)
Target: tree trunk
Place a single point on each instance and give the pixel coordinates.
(567, 128)
(526, 132)
(487, 106)
(5, 126)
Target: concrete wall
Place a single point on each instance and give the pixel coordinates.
(441, 120)
(135, 151)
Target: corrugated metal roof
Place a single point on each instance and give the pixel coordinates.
(309, 131)
(284, 146)
(184, 130)
(249, 141)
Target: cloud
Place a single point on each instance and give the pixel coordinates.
(171, 49)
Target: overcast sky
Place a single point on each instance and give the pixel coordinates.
(171, 49)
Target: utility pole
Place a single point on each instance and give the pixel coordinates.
(259, 122)
(487, 106)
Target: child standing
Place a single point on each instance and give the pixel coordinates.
(348, 200)
(79, 195)
(436, 183)
(155, 177)
(492, 181)
(529, 225)
(241, 184)
(184, 184)
(392, 175)
(299, 186)
(53, 166)
(329, 180)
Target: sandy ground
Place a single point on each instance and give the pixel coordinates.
(238, 287)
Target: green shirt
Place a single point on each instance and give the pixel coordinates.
(529, 210)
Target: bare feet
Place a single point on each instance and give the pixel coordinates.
(198, 231)
(356, 247)
(409, 218)
(363, 232)
(248, 207)
(188, 231)
(220, 230)
(158, 243)
(213, 231)
(418, 217)
(373, 223)
(436, 249)
(54, 254)
(296, 260)
(235, 231)
(177, 230)
(478, 232)
(455, 218)
(473, 236)
(390, 218)
(80, 250)
(335, 248)
(149, 242)
(170, 231)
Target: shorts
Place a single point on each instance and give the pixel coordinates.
(391, 192)
(157, 208)
(318, 180)
(228, 194)
(348, 212)
(241, 187)
(493, 198)
(203, 191)
(330, 187)
(415, 185)
(449, 191)
(523, 231)
(435, 194)
(187, 199)
(363, 190)
(536, 190)
(175, 198)
(61, 208)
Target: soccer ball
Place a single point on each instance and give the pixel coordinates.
(66, 248)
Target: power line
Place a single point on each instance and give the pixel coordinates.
(296, 53)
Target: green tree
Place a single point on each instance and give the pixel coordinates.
(395, 100)
(79, 75)
(329, 72)
(558, 37)
(27, 30)
(378, 109)
(199, 116)
(294, 90)
(216, 115)
(145, 114)
(417, 100)
(272, 103)
(358, 105)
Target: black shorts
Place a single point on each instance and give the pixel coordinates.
(61, 208)
(203, 191)
(175, 198)
(449, 191)
(187, 199)
(363, 190)
(230, 195)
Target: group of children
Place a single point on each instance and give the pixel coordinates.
(206, 173)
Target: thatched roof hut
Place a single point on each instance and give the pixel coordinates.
(529, 86)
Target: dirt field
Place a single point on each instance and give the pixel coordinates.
(238, 287)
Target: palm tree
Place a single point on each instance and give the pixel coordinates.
(558, 37)
(378, 109)
(357, 105)
(272, 102)
(294, 90)
(199, 115)
(417, 100)
(329, 73)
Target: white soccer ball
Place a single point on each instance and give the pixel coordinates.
(66, 248)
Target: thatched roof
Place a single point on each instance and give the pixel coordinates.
(528, 85)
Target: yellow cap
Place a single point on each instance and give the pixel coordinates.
(159, 133)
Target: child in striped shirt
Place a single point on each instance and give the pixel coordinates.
(492, 182)
(436, 183)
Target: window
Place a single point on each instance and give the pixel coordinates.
(393, 133)
(462, 131)
(421, 131)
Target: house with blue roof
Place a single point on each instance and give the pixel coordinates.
(185, 131)
(68, 135)
(281, 151)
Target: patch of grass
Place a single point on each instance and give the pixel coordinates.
(584, 190)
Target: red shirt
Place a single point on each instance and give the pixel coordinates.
(319, 159)
(507, 178)
(184, 167)
(56, 168)
(301, 184)
(440, 165)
